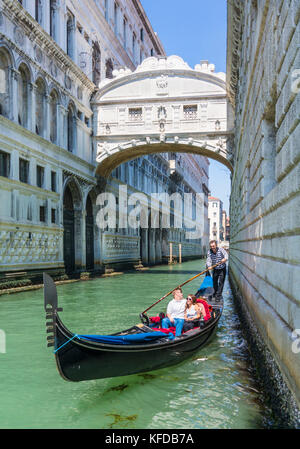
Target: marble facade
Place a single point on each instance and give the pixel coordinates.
(263, 86)
(54, 55)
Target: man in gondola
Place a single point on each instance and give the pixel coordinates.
(214, 256)
(175, 312)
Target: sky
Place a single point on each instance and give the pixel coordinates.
(195, 30)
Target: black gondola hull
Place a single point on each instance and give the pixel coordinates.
(78, 359)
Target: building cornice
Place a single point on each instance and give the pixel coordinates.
(152, 35)
(234, 14)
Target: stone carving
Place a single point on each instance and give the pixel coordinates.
(53, 69)
(162, 82)
(102, 148)
(79, 93)
(118, 247)
(38, 54)
(162, 113)
(22, 247)
(68, 82)
(171, 62)
(19, 36)
(162, 85)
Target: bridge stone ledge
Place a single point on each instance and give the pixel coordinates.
(110, 154)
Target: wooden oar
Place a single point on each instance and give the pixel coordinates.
(181, 285)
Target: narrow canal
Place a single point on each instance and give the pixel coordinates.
(215, 389)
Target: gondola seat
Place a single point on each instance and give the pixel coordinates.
(207, 307)
(166, 331)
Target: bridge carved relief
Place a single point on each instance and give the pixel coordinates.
(163, 106)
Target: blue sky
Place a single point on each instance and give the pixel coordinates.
(195, 30)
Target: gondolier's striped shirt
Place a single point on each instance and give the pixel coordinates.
(213, 258)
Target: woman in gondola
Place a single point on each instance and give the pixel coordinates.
(193, 312)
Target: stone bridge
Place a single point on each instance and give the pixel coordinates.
(163, 106)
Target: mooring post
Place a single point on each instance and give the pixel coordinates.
(171, 255)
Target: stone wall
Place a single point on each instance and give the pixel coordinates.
(263, 72)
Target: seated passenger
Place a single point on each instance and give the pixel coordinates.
(175, 312)
(193, 313)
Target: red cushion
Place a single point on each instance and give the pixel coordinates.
(154, 319)
(206, 306)
(166, 331)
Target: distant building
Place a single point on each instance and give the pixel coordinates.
(215, 209)
(227, 230)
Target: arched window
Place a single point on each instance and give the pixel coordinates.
(109, 68)
(70, 35)
(40, 107)
(96, 61)
(4, 84)
(71, 128)
(23, 103)
(53, 116)
(53, 19)
(38, 11)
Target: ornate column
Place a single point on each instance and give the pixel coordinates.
(144, 246)
(14, 84)
(79, 229)
(62, 135)
(151, 251)
(158, 251)
(32, 107)
(47, 117)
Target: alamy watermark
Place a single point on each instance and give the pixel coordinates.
(2, 342)
(295, 86)
(159, 210)
(296, 342)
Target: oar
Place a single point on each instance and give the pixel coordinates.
(181, 285)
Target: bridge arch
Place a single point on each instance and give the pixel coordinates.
(163, 106)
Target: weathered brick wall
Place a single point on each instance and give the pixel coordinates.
(265, 201)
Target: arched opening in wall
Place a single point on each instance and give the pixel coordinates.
(109, 69)
(53, 19)
(23, 95)
(194, 175)
(70, 33)
(39, 11)
(69, 231)
(40, 107)
(53, 116)
(71, 129)
(96, 63)
(4, 83)
(89, 233)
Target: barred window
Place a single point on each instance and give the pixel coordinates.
(190, 112)
(40, 176)
(53, 181)
(42, 213)
(53, 215)
(135, 114)
(4, 164)
(23, 170)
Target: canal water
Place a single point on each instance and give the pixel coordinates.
(216, 389)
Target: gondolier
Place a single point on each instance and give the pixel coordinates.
(216, 255)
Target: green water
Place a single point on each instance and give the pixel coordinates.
(216, 389)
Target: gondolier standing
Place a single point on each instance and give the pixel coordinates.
(214, 256)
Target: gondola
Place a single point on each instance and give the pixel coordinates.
(135, 350)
